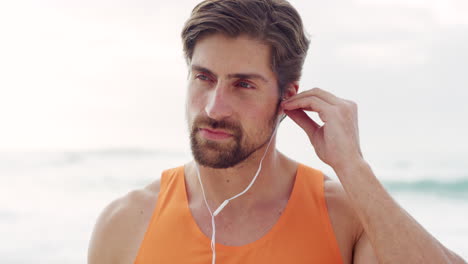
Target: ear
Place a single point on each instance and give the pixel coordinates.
(291, 89)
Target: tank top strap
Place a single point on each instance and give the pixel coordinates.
(314, 208)
(170, 194)
(310, 188)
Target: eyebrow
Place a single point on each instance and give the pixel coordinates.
(232, 75)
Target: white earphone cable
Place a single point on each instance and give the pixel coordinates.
(221, 207)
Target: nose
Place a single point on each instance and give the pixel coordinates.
(218, 105)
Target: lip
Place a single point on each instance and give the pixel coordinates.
(214, 134)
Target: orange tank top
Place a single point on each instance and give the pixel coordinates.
(302, 234)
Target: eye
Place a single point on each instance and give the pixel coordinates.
(202, 77)
(246, 85)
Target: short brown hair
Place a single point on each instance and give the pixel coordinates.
(273, 22)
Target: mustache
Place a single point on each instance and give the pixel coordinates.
(204, 121)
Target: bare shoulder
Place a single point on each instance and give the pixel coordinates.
(346, 224)
(121, 226)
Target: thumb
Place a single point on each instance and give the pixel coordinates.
(303, 120)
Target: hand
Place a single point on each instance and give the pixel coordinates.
(337, 141)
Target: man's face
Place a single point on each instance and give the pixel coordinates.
(232, 100)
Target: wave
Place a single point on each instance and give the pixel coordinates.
(64, 158)
(412, 179)
(118, 153)
(451, 188)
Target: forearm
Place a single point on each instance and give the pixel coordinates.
(396, 237)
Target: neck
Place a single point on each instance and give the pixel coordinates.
(222, 184)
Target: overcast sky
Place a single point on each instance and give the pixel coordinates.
(108, 74)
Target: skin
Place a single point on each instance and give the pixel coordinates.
(369, 225)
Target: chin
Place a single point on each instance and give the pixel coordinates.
(214, 158)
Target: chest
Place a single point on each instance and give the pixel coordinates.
(246, 227)
(239, 227)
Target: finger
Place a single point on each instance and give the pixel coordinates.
(303, 120)
(322, 94)
(311, 103)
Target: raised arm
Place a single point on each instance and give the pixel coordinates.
(391, 234)
(394, 236)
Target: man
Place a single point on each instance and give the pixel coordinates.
(254, 204)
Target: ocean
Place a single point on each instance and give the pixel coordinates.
(49, 201)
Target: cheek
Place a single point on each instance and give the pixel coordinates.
(194, 98)
(261, 118)
(194, 105)
(257, 119)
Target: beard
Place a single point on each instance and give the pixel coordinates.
(222, 155)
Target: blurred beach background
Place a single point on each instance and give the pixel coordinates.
(92, 98)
